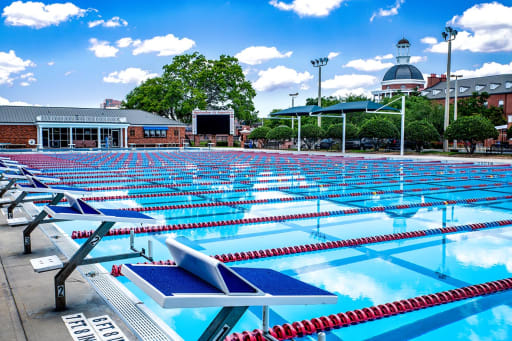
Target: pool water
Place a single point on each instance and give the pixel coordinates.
(296, 191)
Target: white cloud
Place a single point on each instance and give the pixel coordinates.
(24, 83)
(347, 92)
(308, 8)
(39, 15)
(114, 22)
(384, 57)
(349, 81)
(254, 55)
(333, 55)
(28, 78)
(393, 10)
(168, 45)
(102, 49)
(488, 69)
(124, 42)
(5, 101)
(369, 65)
(51, 63)
(486, 28)
(67, 73)
(129, 75)
(429, 40)
(280, 77)
(10, 64)
(418, 59)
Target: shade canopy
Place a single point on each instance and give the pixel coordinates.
(304, 110)
(348, 107)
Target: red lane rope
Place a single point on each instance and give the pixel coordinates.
(297, 249)
(302, 328)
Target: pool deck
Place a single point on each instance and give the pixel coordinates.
(26, 297)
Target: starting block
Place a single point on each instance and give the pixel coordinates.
(44, 264)
(198, 280)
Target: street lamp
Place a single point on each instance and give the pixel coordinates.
(293, 103)
(455, 104)
(319, 63)
(449, 34)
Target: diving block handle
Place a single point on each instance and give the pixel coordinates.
(210, 270)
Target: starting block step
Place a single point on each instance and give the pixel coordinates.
(18, 221)
(44, 264)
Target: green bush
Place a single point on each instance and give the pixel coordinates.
(471, 130)
(222, 143)
(421, 132)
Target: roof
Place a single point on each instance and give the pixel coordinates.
(403, 41)
(403, 71)
(359, 106)
(496, 84)
(297, 111)
(33, 114)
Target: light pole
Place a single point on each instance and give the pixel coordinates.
(319, 63)
(449, 34)
(293, 103)
(455, 105)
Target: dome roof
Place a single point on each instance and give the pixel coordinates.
(404, 41)
(403, 71)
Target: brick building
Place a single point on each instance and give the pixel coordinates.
(499, 88)
(55, 127)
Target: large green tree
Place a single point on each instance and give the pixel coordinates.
(476, 105)
(310, 133)
(191, 81)
(378, 128)
(421, 132)
(471, 130)
(260, 134)
(280, 133)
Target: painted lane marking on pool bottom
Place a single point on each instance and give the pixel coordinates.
(100, 328)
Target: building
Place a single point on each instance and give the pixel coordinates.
(110, 103)
(401, 78)
(499, 88)
(55, 127)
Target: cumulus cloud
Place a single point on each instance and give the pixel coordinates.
(254, 55)
(384, 57)
(5, 101)
(349, 81)
(39, 15)
(280, 77)
(488, 69)
(114, 22)
(51, 63)
(390, 11)
(418, 59)
(485, 28)
(168, 45)
(333, 55)
(10, 65)
(124, 42)
(129, 75)
(308, 8)
(348, 92)
(67, 73)
(102, 49)
(429, 40)
(27, 78)
(368, 65)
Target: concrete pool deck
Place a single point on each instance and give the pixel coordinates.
(26, 297)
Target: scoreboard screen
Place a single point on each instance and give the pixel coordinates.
(213, 124)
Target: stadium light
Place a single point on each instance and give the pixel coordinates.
(449, 34)
(319, 63)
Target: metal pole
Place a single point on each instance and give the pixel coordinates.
(298, 136)
(321, 336)
(265, 319)
(343, 138)
(447, 98)
(319, 119)
(455, 107)
(402, 127)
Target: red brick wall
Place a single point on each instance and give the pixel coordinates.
(136, 135)
(399, 86)
(18, 134)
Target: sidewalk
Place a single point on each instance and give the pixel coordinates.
(27, 299)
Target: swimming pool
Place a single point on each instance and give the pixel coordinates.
(372, 231)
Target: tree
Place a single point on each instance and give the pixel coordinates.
(335, 131)
(280, 133)
(421, 132)
(471, 130)
(476, 105)
(260, 134)
(192, 81)
(377, 129)
(310, 133)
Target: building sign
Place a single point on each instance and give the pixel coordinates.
(78, 118)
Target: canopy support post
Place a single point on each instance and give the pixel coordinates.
(344, 129)
(402, 127)
(299, 139)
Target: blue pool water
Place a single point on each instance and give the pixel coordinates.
(361, 276)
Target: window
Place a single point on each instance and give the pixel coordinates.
(486, 104)
(132, 132)
(463, 89)
(176, 132)
(156, 132)
(494, 86)
(510, 119)
(146, 133)
(501, 103)
(163, 133)
(435, 92)
(479, 87)
(508, 85)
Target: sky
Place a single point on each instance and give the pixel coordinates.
(79, 53)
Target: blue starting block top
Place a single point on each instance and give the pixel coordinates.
(36, 186)
(201, 281)
(80, 210)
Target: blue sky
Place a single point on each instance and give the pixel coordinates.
(79, 53)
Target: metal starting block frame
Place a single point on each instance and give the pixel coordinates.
(79, 210)
(198, 280)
